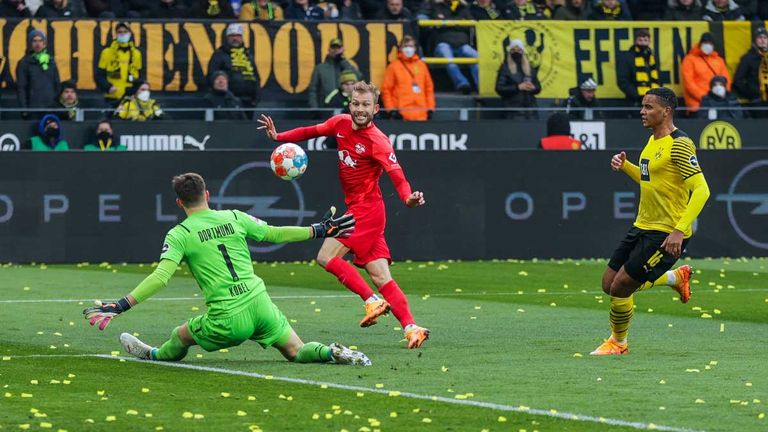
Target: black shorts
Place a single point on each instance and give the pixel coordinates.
(641, 255)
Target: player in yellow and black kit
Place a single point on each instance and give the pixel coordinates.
(672, 193)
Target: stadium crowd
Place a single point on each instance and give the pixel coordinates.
(408, 89)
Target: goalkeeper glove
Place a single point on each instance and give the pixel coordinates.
(342, 226)
(103, 312)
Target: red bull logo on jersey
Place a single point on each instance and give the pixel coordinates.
(359, 148)
(346, 159)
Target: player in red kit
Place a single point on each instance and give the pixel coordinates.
(364, 152)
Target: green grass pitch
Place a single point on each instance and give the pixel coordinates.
(508, 352)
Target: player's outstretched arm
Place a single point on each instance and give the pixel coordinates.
(104, 311)
(619, 162)
(269, 126)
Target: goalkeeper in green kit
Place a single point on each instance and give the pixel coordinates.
(239, 308)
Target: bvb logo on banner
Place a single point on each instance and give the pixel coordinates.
(541, 48)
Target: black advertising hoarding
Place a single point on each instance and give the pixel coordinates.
(73, 207)
(428, 136)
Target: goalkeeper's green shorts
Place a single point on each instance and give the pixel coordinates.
(260, 321)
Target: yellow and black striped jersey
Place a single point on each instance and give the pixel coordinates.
(668, 174)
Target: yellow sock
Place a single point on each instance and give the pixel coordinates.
(662, 280)
(621, 314)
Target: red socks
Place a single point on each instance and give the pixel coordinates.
(350, 278)
(396, 299)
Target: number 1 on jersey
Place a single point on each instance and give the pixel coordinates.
(223, 250)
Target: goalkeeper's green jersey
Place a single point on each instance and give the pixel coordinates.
(214, 245)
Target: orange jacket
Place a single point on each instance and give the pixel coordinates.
(560, 142)
(697, 71)
(400, 79)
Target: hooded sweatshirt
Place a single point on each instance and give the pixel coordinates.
(43, 142)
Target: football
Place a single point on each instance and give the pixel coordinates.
(288, 161)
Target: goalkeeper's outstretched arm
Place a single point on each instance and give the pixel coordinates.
(330, 226)
(105, 311)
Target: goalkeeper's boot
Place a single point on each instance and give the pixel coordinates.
(611, 346)
(416, 335)
(135, 347)
(344, 355)
(682, 285)
(373, 311)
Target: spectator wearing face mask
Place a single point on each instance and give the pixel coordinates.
(751, 78)
(105, 139)
(700, 65)
(719, 103)
(139, 106)
(408, 90)
(120, 64)
(325, 77)
(49, 137)
(637, 69)
(37, 77)
(517, 83)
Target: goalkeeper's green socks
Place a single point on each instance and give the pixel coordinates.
(172, 350)
(313, 352)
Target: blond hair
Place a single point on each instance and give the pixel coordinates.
(365, 87)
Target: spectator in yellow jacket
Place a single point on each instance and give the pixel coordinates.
(139, 106)
(408, 90)
(120, 64)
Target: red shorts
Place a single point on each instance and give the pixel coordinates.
(367, 243)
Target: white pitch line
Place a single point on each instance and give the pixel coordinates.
(331, 296)
(479, 404)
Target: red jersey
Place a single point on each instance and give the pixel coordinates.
(363, 155)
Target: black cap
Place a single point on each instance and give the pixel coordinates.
(718, 79)
(69, 84)
(760, 31)
(123, 24)
(707, 37)
(336, 42)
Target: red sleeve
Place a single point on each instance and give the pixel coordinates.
(304, 133)
(385, 156)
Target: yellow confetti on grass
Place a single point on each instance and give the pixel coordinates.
(315, 416)
(144, 390)
(501, 419)
(187, 415)
(699, 401)
(33, 382)
(426, 420)
(24, 426)
(394, 393)
(26, 395)
(577, 355)
(132, 412)
(379, 385)
(6, 358)
(393, 414)
(114, 353)
(241, 413)
(199, 416)
(226, 395)
(693, 370)
(360, 394)
(761, 416)
(722, 327)
(110, 418)
(706, 315)
(46, 425)
(444, 369)
(251, 398)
